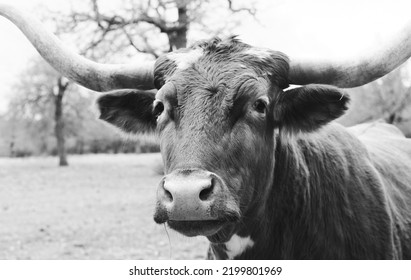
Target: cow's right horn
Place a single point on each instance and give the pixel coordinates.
(92, 75)
(357, 70)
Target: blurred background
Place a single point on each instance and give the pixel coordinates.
(72, 187)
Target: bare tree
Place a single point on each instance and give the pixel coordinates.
(39, 94)
(140, 25)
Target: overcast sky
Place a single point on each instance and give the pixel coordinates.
(315, 28)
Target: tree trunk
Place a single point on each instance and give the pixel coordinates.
(59, 122)
(178, 39)
(11, 147)
(13, 139)
(391, 118)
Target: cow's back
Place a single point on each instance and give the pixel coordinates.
(390, 153)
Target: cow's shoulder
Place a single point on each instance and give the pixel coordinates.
(389, 154)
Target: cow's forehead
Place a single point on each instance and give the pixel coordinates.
(218, 58)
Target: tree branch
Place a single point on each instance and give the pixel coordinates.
(148, 49)
(251, 11)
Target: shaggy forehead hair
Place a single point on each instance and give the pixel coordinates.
(224, 56)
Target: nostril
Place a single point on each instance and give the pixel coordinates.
(207, 192)
(168, 195)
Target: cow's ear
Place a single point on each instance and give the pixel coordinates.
(129, 110)
(307, 108)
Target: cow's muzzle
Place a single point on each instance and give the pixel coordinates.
(195, 202)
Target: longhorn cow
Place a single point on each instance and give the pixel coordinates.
(261, 171)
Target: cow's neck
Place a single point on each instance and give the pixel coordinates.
(309, 171)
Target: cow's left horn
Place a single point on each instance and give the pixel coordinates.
(95, 76)
(355, 71)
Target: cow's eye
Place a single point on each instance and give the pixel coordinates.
(260, 106)
(158, 108)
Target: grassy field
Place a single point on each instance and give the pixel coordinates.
(100, 207)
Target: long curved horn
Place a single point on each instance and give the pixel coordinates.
(92, 75)
(356, 71)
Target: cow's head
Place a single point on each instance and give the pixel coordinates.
(216, 112)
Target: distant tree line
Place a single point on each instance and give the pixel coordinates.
(16, 141)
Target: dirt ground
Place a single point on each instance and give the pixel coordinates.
(100, 207)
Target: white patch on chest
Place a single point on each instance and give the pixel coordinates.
(185, 59)
(237, 245)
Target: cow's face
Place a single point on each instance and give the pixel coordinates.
(216, 113)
